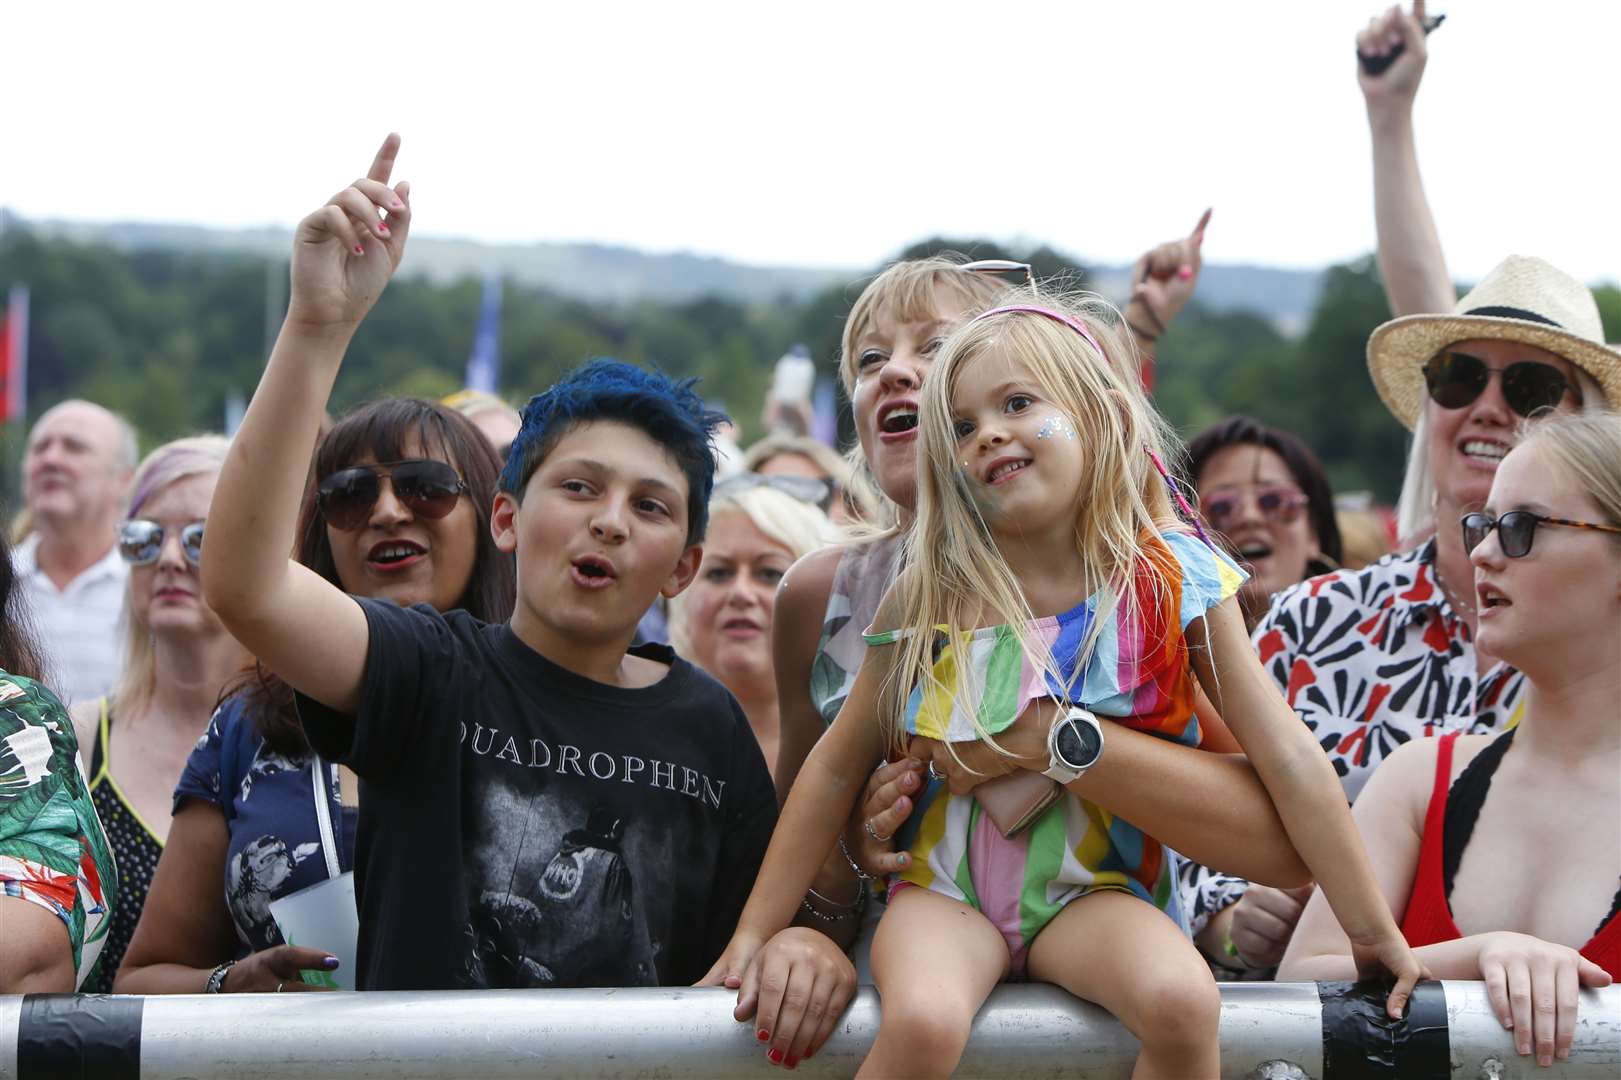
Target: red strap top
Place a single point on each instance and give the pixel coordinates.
(1428, 918)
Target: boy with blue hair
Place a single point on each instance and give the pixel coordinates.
(543, 804)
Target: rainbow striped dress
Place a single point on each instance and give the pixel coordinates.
(1138, 674)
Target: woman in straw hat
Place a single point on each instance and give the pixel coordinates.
(1546, 557)
(1371, 659)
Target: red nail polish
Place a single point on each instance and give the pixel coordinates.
(775, 1056)
(382, 228)
(1185, 272)
(792, 1063)
(763, 1035)
(359, 250)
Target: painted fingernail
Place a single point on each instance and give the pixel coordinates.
(792, 1063)
(359, 250)
(381, 227)
(763, 1035)
(1185, 272)
(775, 1056)
(330, 963)
(903, 860)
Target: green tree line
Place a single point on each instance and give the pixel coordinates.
(166, 337)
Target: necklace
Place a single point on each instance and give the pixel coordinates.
(1459, 608)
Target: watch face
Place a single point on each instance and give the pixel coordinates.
(1077, 744)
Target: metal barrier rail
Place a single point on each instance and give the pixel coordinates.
(1269, 1031)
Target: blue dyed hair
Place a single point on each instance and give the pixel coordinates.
(669, 411)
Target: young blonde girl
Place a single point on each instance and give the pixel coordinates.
(1047, 560)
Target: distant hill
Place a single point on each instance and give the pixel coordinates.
(606, 273)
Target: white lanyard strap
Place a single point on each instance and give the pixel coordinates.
(323, 812)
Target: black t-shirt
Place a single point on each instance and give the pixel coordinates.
(524, 826)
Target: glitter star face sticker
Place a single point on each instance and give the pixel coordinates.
(1055, 427)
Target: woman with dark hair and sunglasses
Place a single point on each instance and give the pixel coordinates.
(58, 883)
(758, 526)
(1374, 658)
(177, 656)
(399, 508)
(1266, 494)
(1519, 910)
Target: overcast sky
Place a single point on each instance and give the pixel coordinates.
(825, 133)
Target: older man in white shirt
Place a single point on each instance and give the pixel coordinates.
(76, 474)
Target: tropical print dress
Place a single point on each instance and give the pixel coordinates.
(1137, 673)
(52, 850)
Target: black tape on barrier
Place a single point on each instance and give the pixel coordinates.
(89, 1036)
(1361, 1041)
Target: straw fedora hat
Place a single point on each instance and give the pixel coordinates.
(1523, 299)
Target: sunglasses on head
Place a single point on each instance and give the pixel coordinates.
(1278, 505)
(998, 266)
(1456, 379)
(1516, 529)
(807, 489)
(140, 542)
(428, 488)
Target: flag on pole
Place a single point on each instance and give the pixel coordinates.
(484, 364)
(14, 357)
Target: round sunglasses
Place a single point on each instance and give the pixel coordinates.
(1278, 505)
(1516, 529)
(1456, 379)
(140, 542)
(428, 488)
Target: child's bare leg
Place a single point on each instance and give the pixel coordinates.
(1119, 951)
(935, 961)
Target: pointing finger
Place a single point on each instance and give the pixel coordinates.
(1197, 235)
(383, 164)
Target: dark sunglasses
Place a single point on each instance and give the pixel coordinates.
(1456, 379)
(807, 489)
(1516, 529)
(140, 542)
(429, 489)
(1278, 505)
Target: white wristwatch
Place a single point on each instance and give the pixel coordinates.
(1074, 744)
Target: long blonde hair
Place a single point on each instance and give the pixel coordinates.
(955, 576)
(909, 291)
(174, 461)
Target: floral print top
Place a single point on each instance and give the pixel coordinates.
(52, 849)
(1369, 659)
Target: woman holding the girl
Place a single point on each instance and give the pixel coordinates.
(890, 341)
(1039, 452)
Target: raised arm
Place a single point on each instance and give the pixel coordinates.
(1162, 283)
(1410, 258)
(298, 624)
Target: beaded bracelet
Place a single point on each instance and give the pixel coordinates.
(844, 911)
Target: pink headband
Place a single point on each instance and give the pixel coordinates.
(1080, 328)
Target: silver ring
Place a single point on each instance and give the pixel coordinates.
(279, 986)
(872, 832)
(935, 773)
